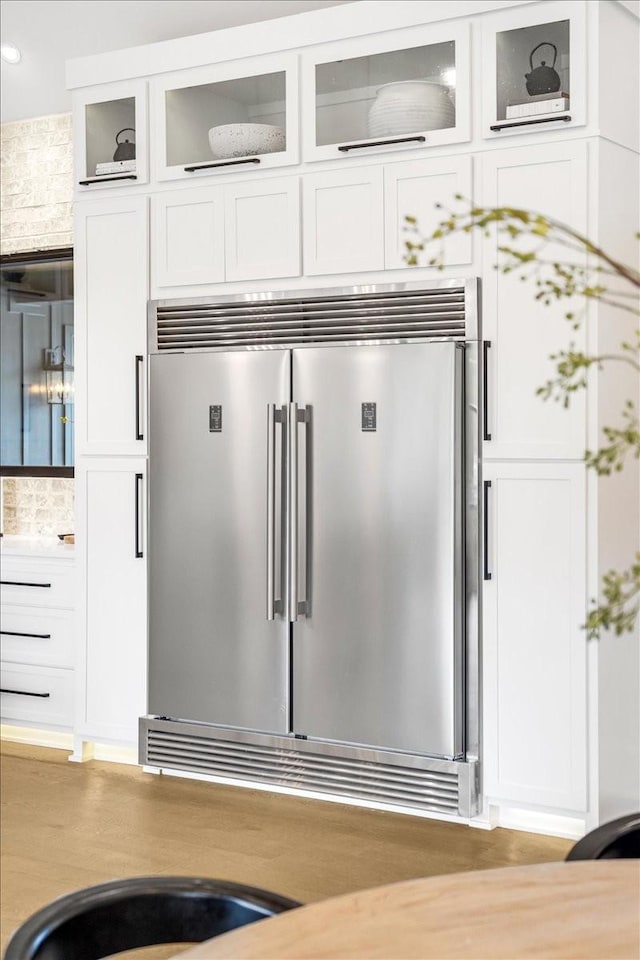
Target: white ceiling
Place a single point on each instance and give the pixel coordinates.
(49, 32)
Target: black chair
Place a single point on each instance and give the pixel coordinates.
(619, 839)
(126, 914)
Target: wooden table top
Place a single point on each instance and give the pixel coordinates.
(587, 908)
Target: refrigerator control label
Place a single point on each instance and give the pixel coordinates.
(369, 417)
(215, 418)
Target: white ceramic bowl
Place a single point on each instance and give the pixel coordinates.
(245, 139)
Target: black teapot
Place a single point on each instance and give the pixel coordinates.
(542, 79)
(125, 150)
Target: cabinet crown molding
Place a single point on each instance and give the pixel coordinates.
(359, 18)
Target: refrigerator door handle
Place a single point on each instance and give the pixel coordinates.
(275, 415)
(297, 606)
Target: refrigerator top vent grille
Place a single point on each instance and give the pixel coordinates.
(362, 317)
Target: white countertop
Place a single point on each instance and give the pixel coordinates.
(16, 545)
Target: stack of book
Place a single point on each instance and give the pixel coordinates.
(537, 105)
(115, 166)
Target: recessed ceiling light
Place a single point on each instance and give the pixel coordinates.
(10, 53)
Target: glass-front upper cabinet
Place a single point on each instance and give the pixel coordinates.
(225, 118)
(534, 69)
(406, 89)
(110, 147)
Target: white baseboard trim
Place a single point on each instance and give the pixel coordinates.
(56, 739)
(538, 821)
(81, 750)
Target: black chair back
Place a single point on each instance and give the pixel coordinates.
(618, 839)
(98, 921)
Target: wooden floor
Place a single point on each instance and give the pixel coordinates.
(66, 826)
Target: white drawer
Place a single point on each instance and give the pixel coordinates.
(36, 695)
(38, 636)
(29, 582)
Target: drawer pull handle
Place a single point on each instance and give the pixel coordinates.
(25, 693)
(380, 143)
(485, 549)
(107, 179)
(138, 552)
(497, 127)
(139, 362)
(221, 163)
(15, 633)
(486, 434)
(22, 583)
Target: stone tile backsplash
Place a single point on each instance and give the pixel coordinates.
(37, 506)
(37, 184)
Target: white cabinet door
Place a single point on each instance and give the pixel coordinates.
(112, 618)
(105, 118)
(187, 230)
(413, 189)
(521, 41)
(534, 647)
(263, 229)
(552, 180)
(350, 108)
(111, 276)
(343, 221)
(251, 106)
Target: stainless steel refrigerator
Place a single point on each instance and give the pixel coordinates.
(308, 520)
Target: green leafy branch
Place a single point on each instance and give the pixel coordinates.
(586, 273)
(621, 602)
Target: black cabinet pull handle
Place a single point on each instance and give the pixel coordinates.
(380, 143)
(221, 163)
(485, 390)
(139, 362)
(107, 178)
(24, 693)
(138, 546)
(497, 127)
(485, 524)
(36, 636)
(22, 583)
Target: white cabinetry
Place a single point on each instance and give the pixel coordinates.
(341, 83)
(263, 229)
(240, 231)
(549, 179)
(187, 237)
(111, 272)
(37, 641)
(541, 37)
(414, 189)
(354, 218)
(112, 607)
(103, 118)
(534, 647)
(186, 105)
(343, 221)
(219, 222)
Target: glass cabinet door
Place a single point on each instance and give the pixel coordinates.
(534, 78)
(111, 136)
(224, 118)
(393, 92)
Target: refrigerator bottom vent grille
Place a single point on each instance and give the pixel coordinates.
(423, 789)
